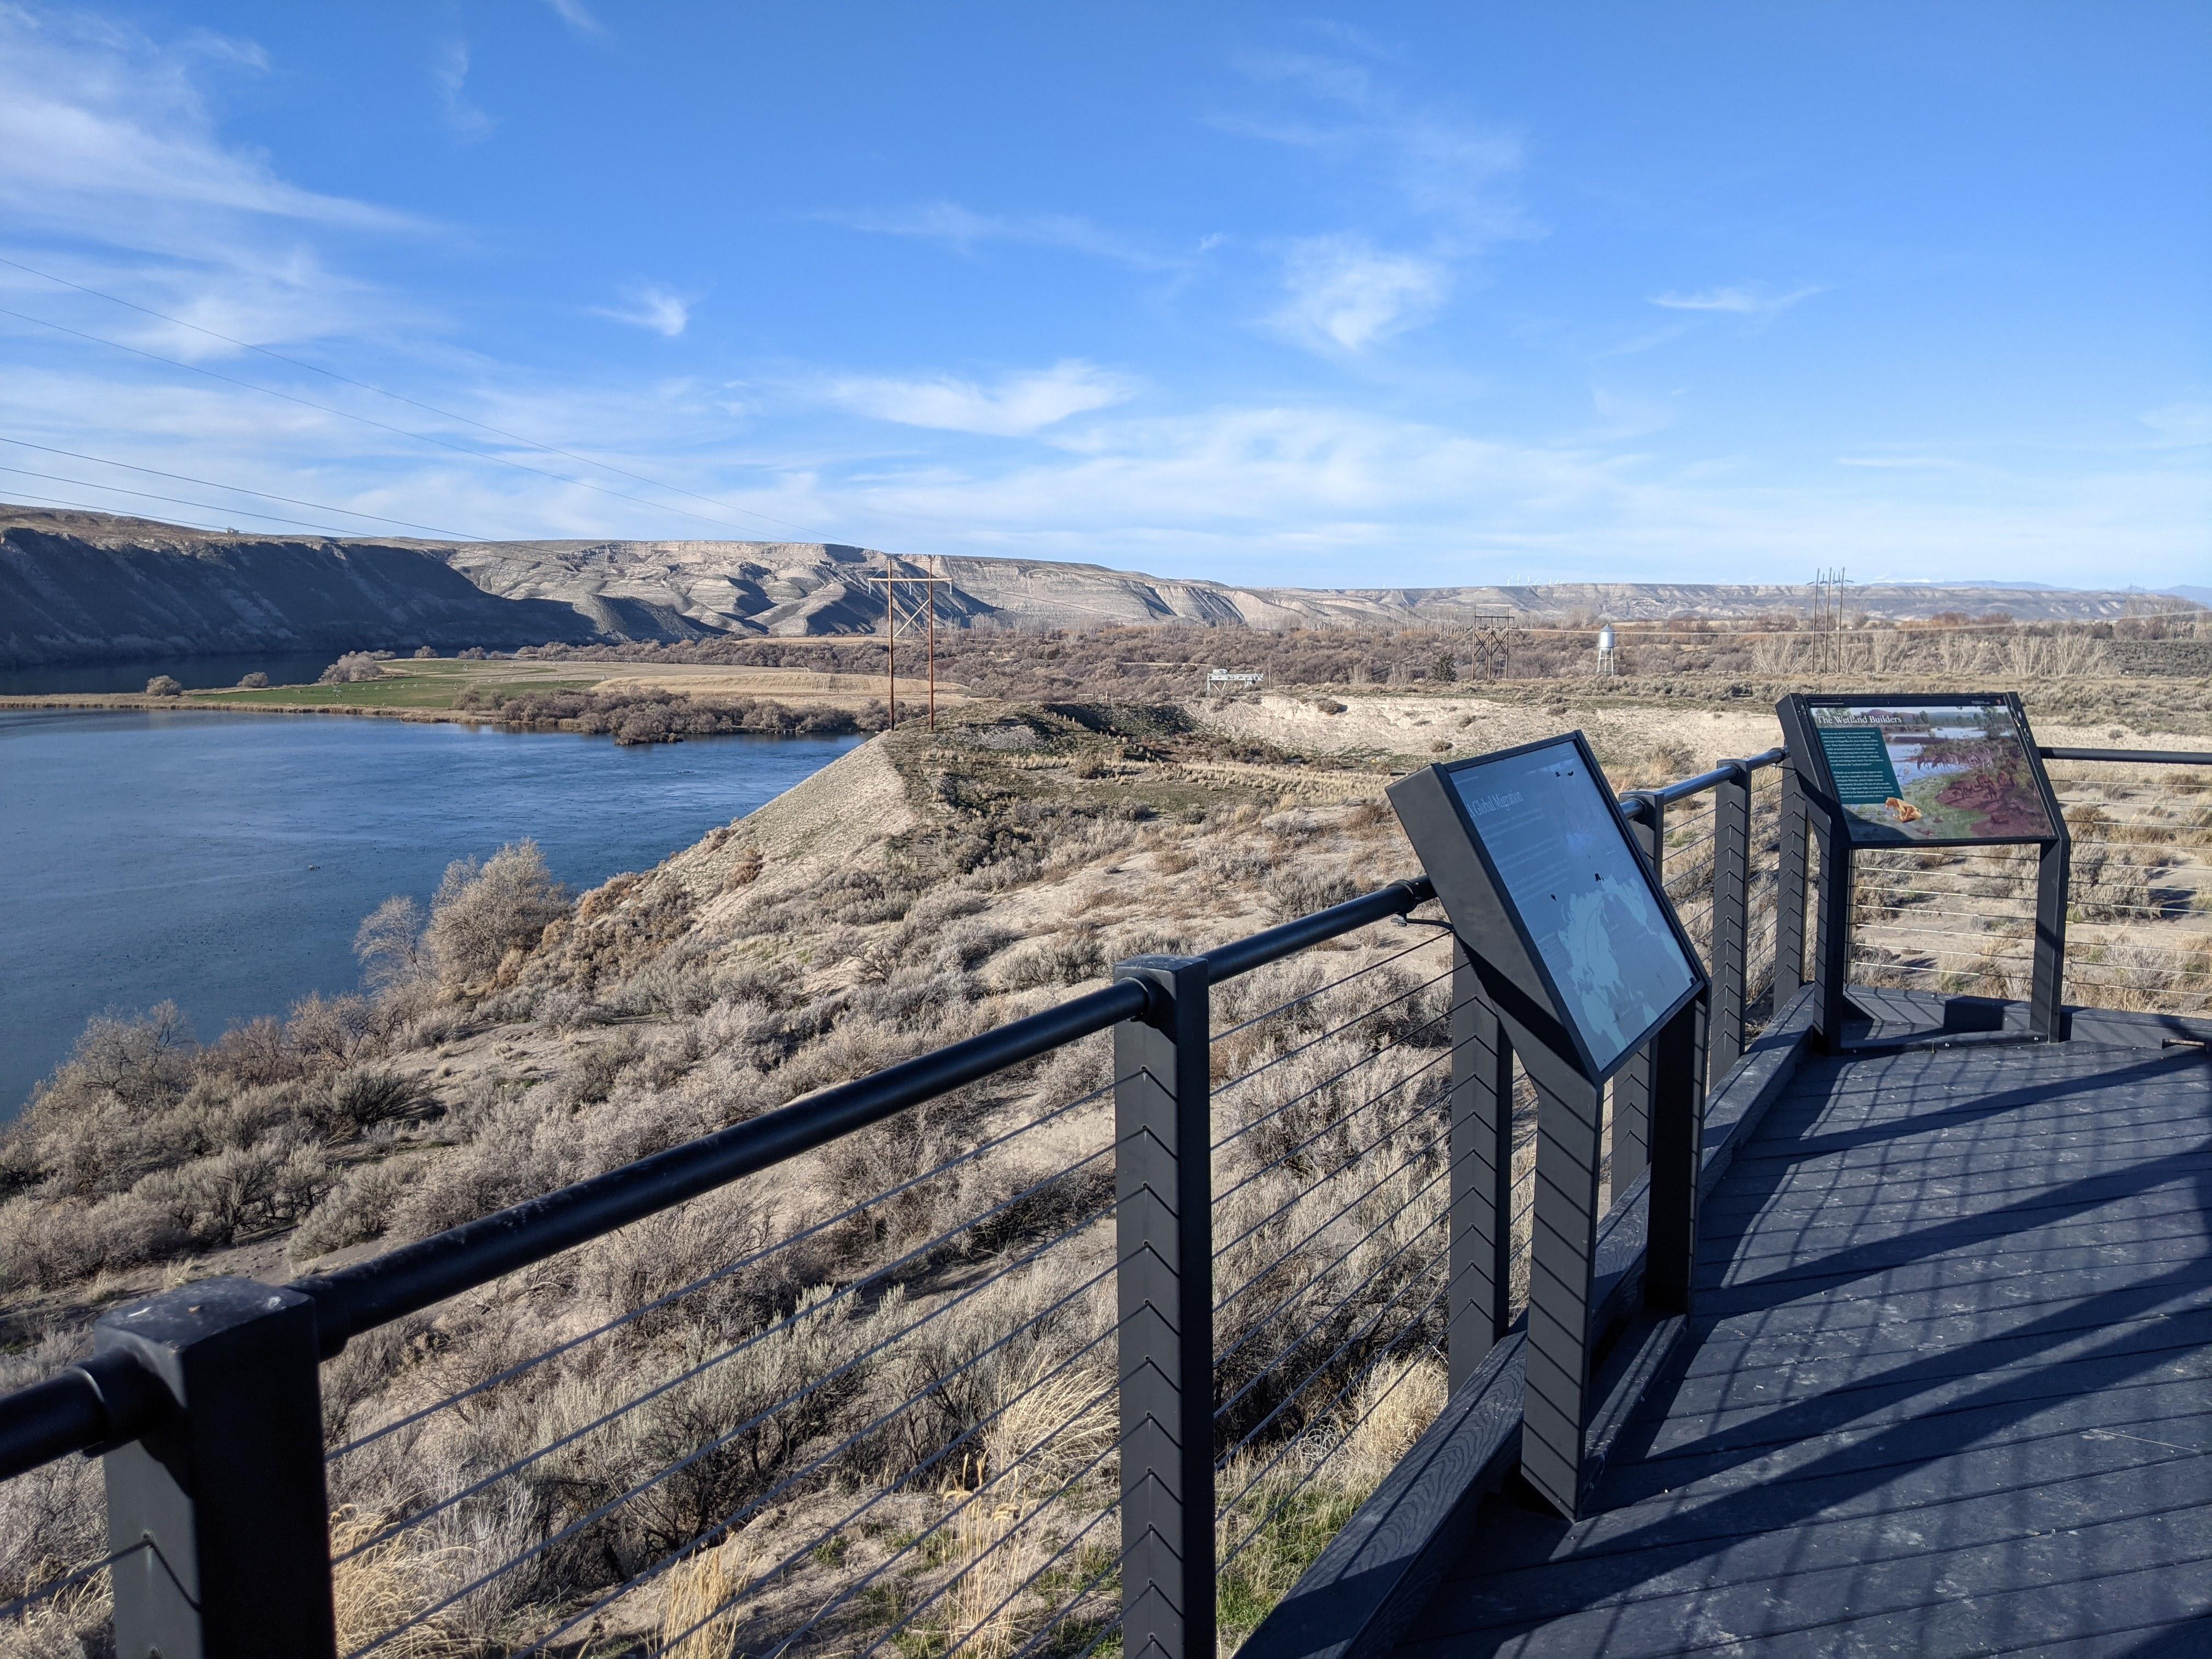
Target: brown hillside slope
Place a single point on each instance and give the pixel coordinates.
(89, 586)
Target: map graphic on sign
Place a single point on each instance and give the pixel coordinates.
(1568, 868)
(1931, 772)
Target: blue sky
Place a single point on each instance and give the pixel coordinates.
(1475, 293)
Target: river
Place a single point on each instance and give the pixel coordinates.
(224, 860)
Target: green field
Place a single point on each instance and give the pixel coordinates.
(415, 684)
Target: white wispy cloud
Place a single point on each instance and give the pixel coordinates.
(1750, 300)
(2185, 423)
(1346, 293)
(662, 310)
(1900, 463)
(115, 174)
(964, 229)
(1459, 173)
(576, 15)
(1455, 176)
(449, 74)
(1017, 406)
(107, 135)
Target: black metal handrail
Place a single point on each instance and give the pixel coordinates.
(101, 1403)
(2131, 757)
(115, 1399)
(1637, 804)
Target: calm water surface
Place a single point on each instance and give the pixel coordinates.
(224, 860)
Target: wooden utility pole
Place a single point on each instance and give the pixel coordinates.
(892, 581)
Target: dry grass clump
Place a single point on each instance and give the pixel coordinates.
(1281, 1513)
(703, 1605)
(388, 1585)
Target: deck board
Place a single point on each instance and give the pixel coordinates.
(1947, 1388)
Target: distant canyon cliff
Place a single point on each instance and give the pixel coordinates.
(89, 586)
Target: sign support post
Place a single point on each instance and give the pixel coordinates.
(1580, 967)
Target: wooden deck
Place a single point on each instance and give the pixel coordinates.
(1947, 1390)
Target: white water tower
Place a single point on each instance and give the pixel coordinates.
(1605, 664)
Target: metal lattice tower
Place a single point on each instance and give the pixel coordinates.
(904, 617)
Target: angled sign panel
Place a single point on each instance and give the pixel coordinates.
(1533, 861)
(1956, 771)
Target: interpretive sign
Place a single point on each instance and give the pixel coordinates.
(1612, 961)
(1953, 770)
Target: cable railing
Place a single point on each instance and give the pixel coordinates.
(1952, 921)
(1331, 1192)
(2139, 933)
(975, 1354)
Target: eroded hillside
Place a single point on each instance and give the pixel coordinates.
(79, 586)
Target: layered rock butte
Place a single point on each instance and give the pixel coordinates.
(79, 586)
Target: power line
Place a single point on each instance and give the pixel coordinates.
(19, 497)
(382, 426)
(483, 426)
(175, 500)
(210, 483)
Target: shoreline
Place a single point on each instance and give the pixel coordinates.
(137, 701)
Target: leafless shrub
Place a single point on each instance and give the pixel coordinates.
(482, 911)
(389, 943)
(351, 1101)
(1304, 890)
(144, 1063)
(46, 1244)
(567, 1011)
(240, 1191)
(354, 665)
(359, 1206)
(675, 985)
(967, 946)
(330, 1030)
(592, 1075)
(512, 1155)
(255, 1052)
(1057, 959)
(52, 1522)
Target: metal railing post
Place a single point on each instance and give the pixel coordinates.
(1832, 938)
(1632, 1084)
(1731, 917)
(1562, 1239)
(1791, 875)
(1481, 1183)
(1163, 1184)
(1678, 1117)
(225, 1492)
(2046, 984)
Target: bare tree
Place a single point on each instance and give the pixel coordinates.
(389, 943)
(481, 911)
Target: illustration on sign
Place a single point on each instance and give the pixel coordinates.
(1565, 864)
(1931, 772)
